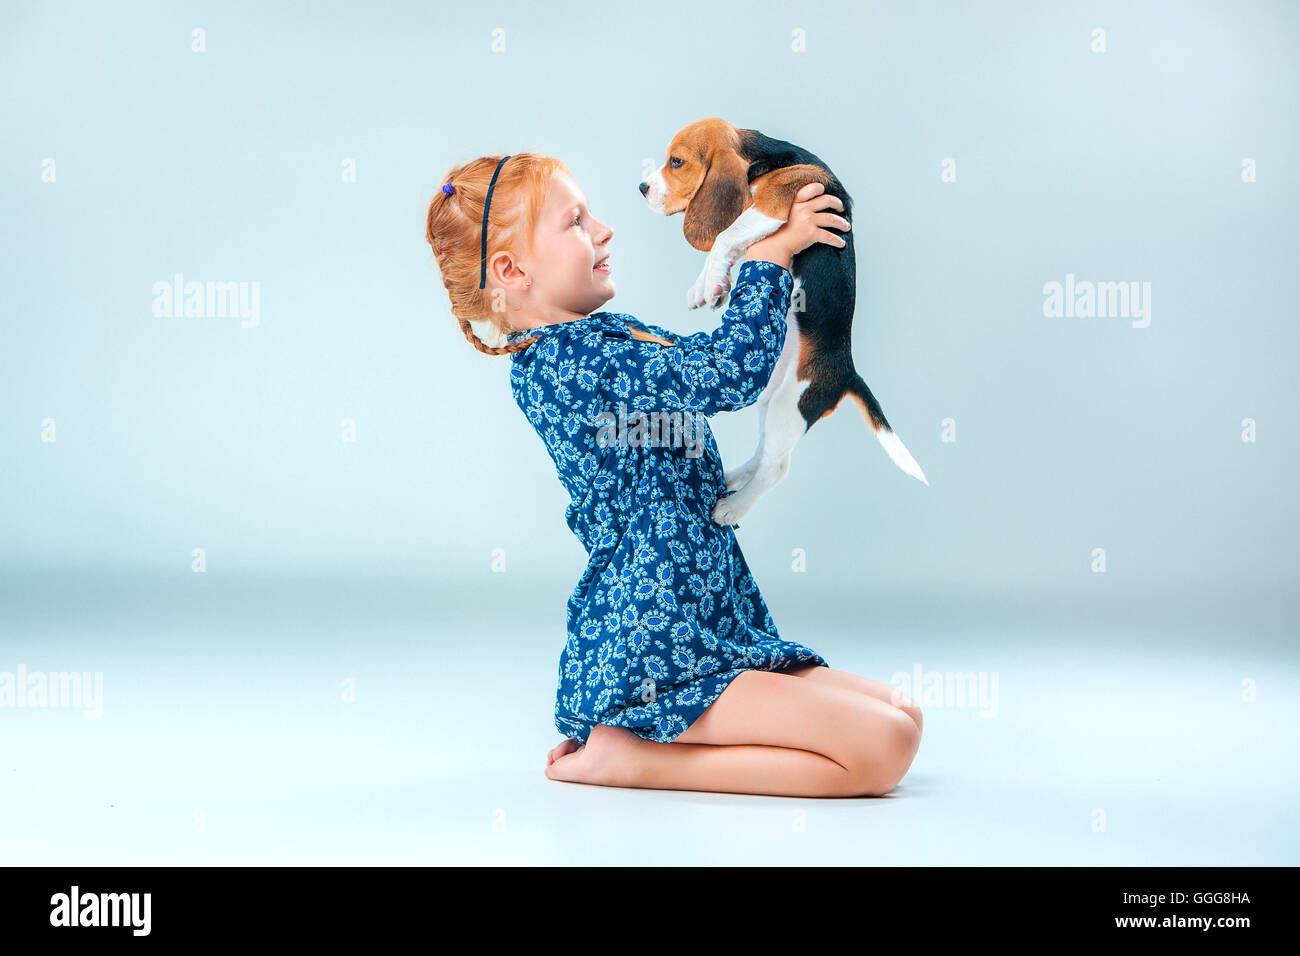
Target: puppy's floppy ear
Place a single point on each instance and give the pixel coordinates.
(722, 197)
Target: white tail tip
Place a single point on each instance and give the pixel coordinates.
(900, 455)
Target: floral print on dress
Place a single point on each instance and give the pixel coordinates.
(667, 612)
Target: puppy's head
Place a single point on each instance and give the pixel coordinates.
(705, 176)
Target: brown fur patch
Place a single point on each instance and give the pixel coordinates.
(774, 192)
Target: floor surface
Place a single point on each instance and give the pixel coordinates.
(224, 737)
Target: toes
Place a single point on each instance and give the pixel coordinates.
(567, 746)
(564, 766)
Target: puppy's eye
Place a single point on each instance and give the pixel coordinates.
(674, 162)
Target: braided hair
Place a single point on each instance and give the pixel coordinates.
(455, 233)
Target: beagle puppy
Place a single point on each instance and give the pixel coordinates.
(735, 187)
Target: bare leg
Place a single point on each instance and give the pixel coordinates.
(616, 757)
(768, 733)
(863, 685)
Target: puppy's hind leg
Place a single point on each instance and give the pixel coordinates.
(738, 477)
(783, 426)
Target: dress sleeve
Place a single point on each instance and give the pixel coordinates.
(707, 372)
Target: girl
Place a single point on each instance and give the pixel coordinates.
(673, 675)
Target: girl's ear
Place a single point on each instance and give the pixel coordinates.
(720, 198)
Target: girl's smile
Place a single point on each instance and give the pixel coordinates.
(569, 262)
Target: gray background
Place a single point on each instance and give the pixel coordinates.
(371, 560)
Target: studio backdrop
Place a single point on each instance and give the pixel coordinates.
(246, 453)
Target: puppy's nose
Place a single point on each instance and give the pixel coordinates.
(644, 187)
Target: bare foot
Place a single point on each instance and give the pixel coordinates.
(568, 747)
(609, 758)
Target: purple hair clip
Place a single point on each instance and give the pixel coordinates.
(446, 188)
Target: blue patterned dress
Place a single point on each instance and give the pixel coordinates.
(666, 613)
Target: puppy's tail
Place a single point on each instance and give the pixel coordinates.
(876, 419)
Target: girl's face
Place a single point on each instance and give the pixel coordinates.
(569, 263)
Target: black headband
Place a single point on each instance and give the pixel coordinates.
(482, 270)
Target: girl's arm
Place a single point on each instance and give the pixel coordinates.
(707, 372)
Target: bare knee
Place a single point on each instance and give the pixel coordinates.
(885, 754)
(908, 706)
(915, 713)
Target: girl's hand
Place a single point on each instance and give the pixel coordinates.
(807, 224)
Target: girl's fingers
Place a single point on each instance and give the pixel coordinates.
(826, 201)
(809, 193)
(821, 204)
(811, 212)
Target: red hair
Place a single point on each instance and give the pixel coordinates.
(455, 233)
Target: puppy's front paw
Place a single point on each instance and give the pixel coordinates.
(711, 294)
(695, 294)
(719, 290)
(713, 285)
